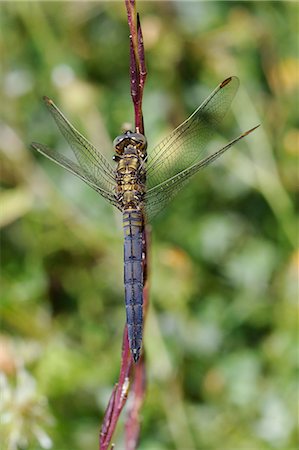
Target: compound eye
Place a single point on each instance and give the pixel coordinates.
(140, 140)
(119, 143)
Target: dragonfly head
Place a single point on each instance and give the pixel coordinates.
(130, 139)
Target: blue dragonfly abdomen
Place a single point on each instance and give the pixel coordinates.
(133, 278)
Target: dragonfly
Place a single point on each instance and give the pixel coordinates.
(140, 183)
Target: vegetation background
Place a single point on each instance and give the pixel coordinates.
(220, 338)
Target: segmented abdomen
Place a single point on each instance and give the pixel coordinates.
(133, 278)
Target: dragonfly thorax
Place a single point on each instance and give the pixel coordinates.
(130, 180)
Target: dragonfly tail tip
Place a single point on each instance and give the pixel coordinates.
(136, 354)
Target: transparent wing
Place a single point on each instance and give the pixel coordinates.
(88, 157)
(76, 170)
(158, 197)
(187, 144)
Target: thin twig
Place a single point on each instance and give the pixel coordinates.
(120, 391)
(118, 397)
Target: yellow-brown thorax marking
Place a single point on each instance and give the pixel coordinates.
(131, 150)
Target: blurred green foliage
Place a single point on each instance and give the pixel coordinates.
(221, 333)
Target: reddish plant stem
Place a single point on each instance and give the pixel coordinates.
(119, 394)
(138, 71)
(132, 425)
(138, 75)
(118, 397)
(142, 71)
